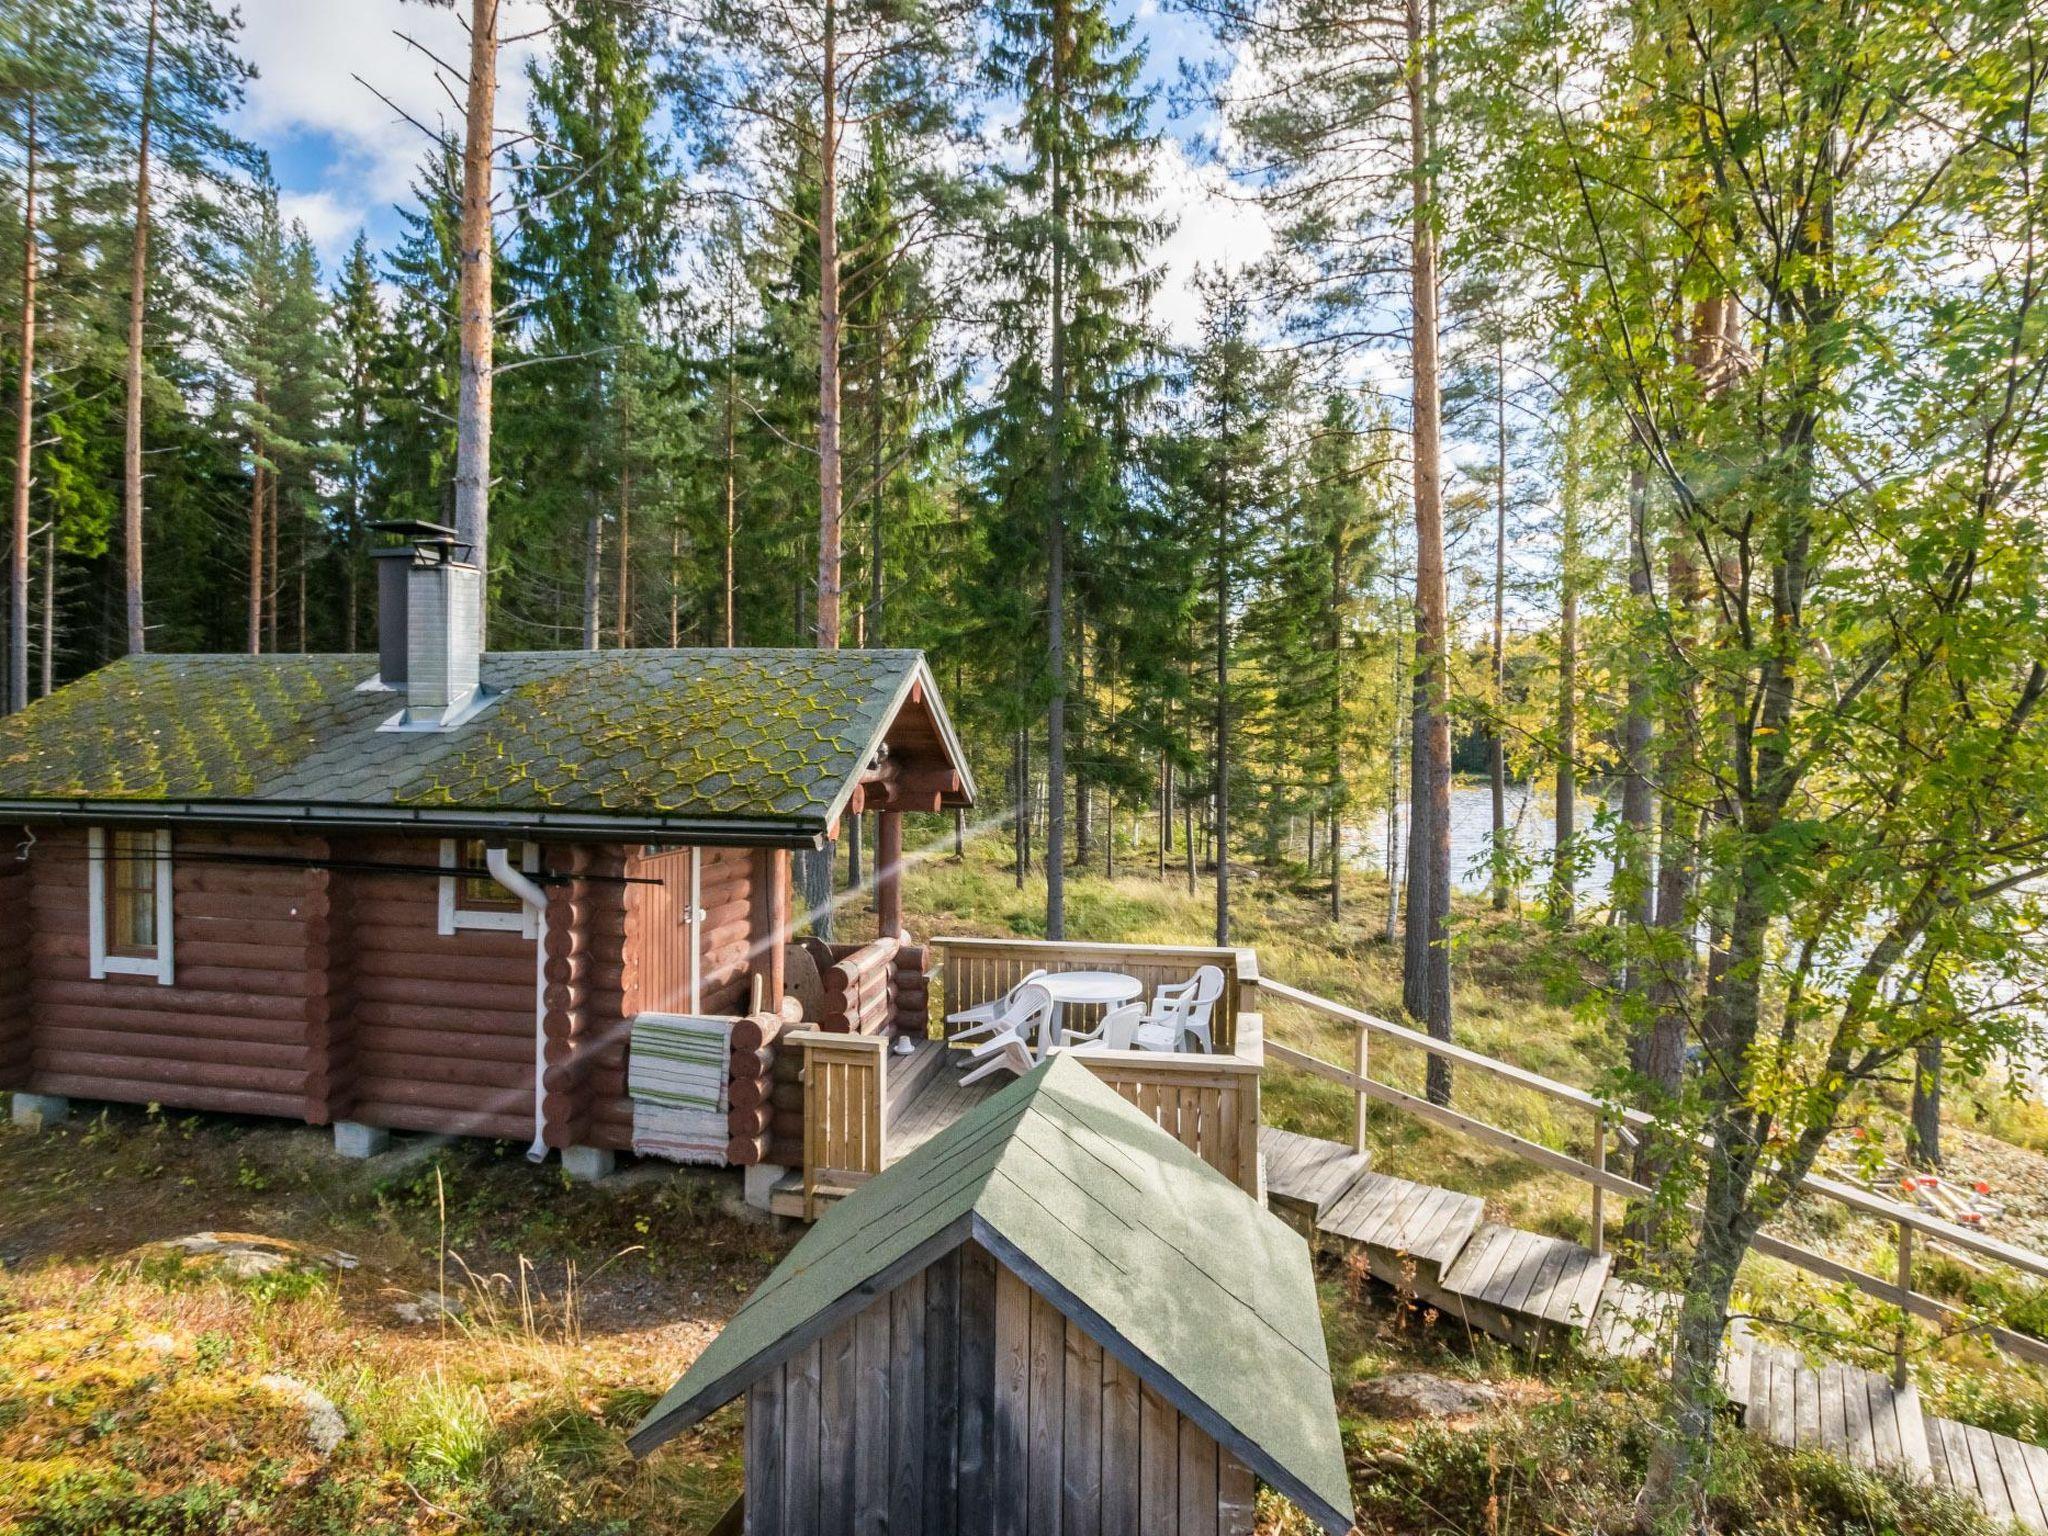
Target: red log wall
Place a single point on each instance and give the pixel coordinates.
(245, 1028)
(14, 973)
(323, 995)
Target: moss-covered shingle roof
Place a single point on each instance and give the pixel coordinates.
(750, 744)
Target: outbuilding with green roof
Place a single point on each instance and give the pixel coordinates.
(1050, 1317)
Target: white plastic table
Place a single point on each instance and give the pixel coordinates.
(1088, 988)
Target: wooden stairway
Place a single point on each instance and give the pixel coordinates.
(1437, 1246)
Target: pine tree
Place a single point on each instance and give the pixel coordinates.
(55, 117)
(184, 78)
(1234, 400)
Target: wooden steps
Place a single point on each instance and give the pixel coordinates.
(1436, 1245)
(1856, 1414)
(1410, 1232)
(2007, 1476)
(1632, 1321)
(1519, 1284)
(1304, 1174)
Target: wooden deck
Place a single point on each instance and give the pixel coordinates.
(923, 1096)
(1525, 1287)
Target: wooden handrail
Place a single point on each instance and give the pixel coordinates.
(1908, 1219)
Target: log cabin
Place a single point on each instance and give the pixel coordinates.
(430, 889)
(1050, 1317)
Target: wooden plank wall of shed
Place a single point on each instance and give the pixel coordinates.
(961, 1402)
(235, 1033)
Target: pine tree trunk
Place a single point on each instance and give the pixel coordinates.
(731, 477)
(1497, 752)
(623, 597)
(138, 300)
(1430, 907)
(1083, 808)
(24, 421)
(49, 656)
(815, 867)
(829, 467)
(1056, 530)
(675, 584)
(593, 569)
(1334, 638)
(1222, 749)
(256, 495)
(877, 571)
(474, 253)
(273, 584)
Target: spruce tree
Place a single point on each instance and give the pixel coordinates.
(1070, 256)
(359, 330)
(589, 269)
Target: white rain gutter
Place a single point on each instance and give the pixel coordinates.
(499, 862)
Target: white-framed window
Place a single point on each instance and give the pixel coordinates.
(476, 900)
(128, 902)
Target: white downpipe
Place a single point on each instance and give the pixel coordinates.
(499, 862)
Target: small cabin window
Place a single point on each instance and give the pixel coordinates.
(129, 874)
(473, 898)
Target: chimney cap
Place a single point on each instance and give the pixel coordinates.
(422, 536)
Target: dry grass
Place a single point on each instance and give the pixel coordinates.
(130, 1396)
(130, 1402)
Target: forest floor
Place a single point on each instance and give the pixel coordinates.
(151, 1385)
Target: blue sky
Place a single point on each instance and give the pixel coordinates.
(343, 158)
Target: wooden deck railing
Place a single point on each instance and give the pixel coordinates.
(975, 971)
(845, 1085)
(1209, 1103)
(1628, 1126)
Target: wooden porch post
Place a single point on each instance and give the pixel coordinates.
(770, 923)
(889, 875)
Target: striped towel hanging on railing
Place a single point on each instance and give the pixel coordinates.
(676, 1078)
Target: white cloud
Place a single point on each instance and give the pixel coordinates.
(1214, 225)
(330, 221)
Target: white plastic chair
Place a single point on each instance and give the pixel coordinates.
(1115, 1031)
(1181, 1010)
(1009, 1049)
(985, 1018)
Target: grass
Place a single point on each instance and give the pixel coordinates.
(131, 1396)
(131, 1401)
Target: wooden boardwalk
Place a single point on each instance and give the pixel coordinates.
(1526, 1288)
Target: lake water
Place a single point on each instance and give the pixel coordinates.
(1534, 830)
(1531, 824)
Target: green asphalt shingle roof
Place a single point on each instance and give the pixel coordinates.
(1156, 1254)
(764, 741)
